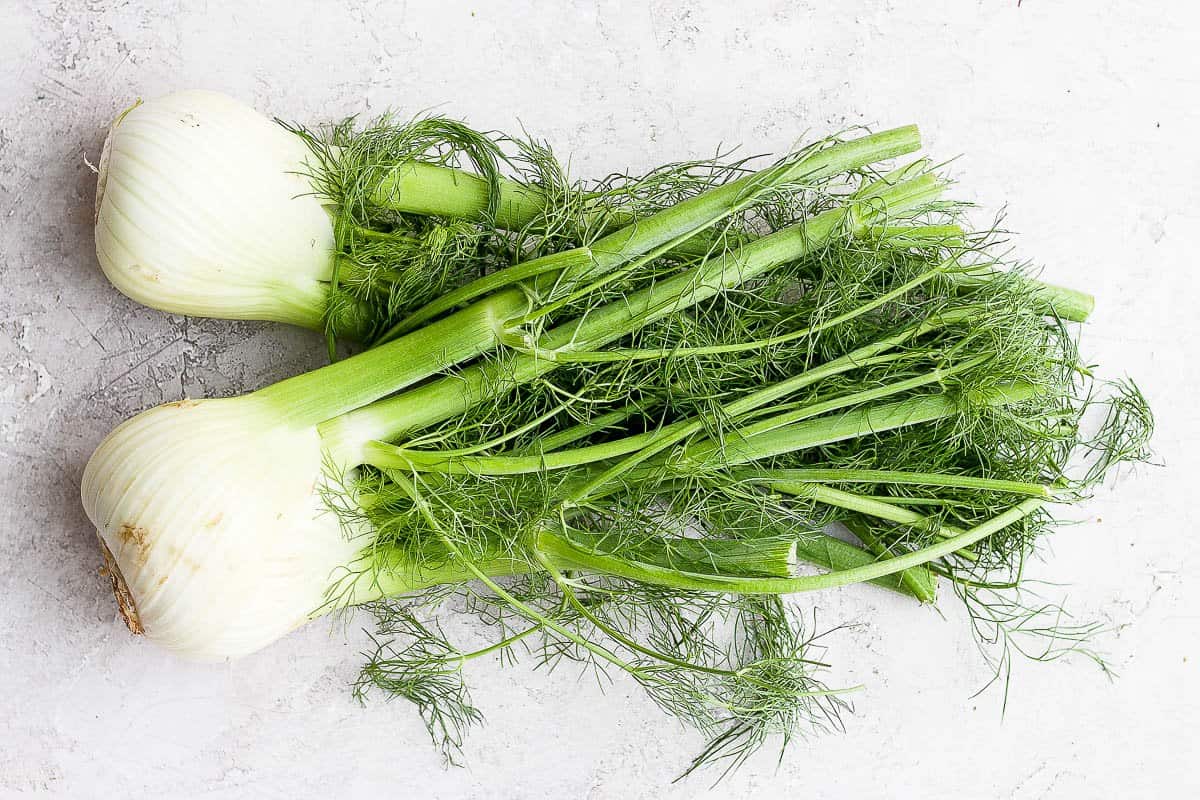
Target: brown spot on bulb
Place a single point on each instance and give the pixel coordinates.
(138, 538)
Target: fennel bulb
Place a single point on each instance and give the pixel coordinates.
(203, 208)
(212, 513)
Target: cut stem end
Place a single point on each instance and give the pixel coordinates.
(125, 605)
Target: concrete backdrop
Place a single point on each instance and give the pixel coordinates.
(1080, 116)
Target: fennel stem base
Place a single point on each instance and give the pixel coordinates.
(125, 605)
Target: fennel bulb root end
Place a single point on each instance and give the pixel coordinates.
(126, 606)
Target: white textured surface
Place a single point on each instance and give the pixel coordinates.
(1082, 116)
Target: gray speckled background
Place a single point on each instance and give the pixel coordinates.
(1081, 116)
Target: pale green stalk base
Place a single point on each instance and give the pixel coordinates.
(354, 382)
(301, 304)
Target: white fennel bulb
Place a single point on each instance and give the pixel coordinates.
(203, 207)
(211, 513)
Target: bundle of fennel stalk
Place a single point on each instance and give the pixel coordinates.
(611, 417)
